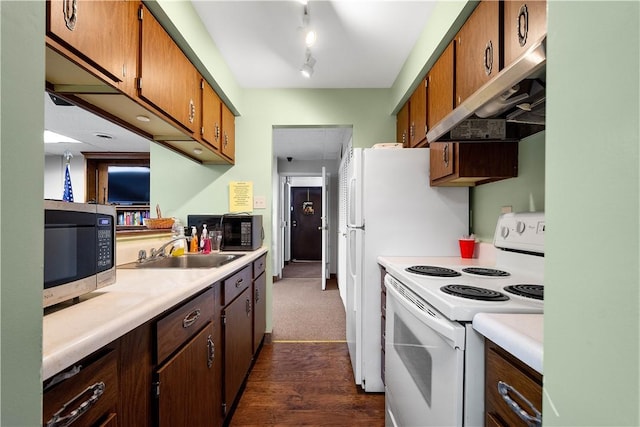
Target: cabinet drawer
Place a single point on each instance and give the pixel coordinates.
(95, 386)
(259, 266)
(525, 382)
(234, 285)
(182, 323)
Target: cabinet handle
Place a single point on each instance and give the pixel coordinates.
(192, 111)
(70, 11)
(191, 318)
(488, 58)
(257, 295)
(57, 420)
(532, 420)
(248, 307)
(211, 351)
(523, 25)
(445, 155)
(226, 140)
(217, 132)
(239, 282)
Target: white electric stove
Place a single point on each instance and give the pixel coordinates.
(434, 359)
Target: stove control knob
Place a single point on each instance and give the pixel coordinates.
(520, 226)
(504, 232)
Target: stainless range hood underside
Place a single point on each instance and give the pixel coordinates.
(493, 97)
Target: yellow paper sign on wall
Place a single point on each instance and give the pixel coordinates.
(240, 196)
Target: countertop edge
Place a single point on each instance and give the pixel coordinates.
(519, 334)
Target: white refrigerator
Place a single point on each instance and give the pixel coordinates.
(391, 211)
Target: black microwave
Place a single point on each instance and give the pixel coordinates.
(239, 232)
(79, 249)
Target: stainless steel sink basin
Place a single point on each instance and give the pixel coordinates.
(186, 261)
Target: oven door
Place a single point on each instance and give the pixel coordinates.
(424, 363)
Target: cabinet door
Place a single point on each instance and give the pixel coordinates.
(238, 347)
(211, 126)
(98, 31)
(440, 87)
(525, 22)
(167, 78)
(418, 115)
(402, 125)
(187, 384)
(259, 310)
(441, 160)
(477, 49)
(228, 133)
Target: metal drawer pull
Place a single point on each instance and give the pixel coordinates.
(257, 295)
(532, 420)
(239, 282)
(191, 318)
(248, 307)
(211, 347)
(57, 420)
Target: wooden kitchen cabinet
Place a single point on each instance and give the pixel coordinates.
(211, 123)
(440, 87)
(477, 49)
(187, 385)
(473, 163)
(228, 142)
(525, 22)
(418, 116)
(167, 79)
(91, 384)
(402, 125)
(259, 301)
(103, 33)
(521, 383)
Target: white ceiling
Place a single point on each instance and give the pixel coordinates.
(361, 44)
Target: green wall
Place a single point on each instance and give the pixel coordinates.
(21, 215)
(524, 193)
(592, 299)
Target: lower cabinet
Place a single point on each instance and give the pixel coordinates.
(238, 346)
(182, 368)
(87, 393)
(513, 390)
(187, 383)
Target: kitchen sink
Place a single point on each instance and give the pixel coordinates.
(185, 261)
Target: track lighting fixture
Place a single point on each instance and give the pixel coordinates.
(307, 67)
(309, 34)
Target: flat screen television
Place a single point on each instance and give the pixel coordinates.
(128, 185)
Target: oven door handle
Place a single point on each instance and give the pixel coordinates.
(452, 332)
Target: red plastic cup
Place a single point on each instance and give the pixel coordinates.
(466, 247)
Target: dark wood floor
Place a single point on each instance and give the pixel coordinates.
(295, 384)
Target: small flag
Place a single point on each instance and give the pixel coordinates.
(67, 196)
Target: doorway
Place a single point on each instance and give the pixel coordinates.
(306, 223)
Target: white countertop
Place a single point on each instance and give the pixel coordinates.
(519, 334)
(102, 316)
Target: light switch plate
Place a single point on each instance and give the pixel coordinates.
(259, 202)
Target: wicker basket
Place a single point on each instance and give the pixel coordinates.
(159, 223)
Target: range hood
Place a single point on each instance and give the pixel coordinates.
(516, 95)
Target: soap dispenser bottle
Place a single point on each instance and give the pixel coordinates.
(193, 243)
(203, 236)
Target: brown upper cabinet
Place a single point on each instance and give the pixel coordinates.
(418, 116)
(477, 50)
(114, 58)
(104, 33)
(211, 126)
(167, 79)
(228, 141)
(525, 22)
(402, 125)
(440, 87)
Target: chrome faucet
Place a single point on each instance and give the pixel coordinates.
(161, 251)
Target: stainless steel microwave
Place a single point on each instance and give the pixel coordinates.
(240, 232)
(79, 249)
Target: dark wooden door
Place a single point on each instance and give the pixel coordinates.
(306, 223)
